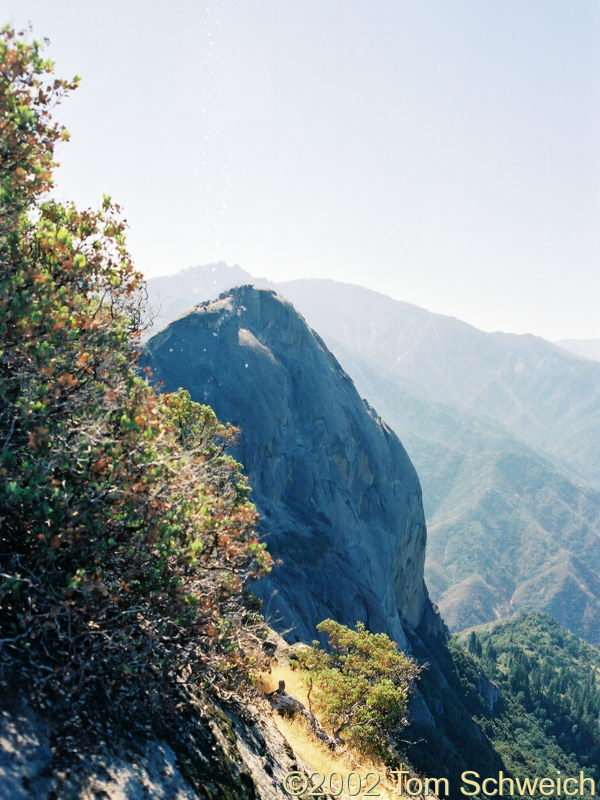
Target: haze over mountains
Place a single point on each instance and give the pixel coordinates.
(588, 348)
(503, 432)
(542, 395)
(506, 528)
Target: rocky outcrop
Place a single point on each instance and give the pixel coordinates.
(237, 754)
(339, 498)
(488, 691)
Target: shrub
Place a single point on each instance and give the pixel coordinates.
(360, 686)
(126, 533)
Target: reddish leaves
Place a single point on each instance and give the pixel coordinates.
(122, 508)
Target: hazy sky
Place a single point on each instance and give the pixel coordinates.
(445, 152)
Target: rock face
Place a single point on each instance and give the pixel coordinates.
(231, 756)
(339, 498)
(489, 691)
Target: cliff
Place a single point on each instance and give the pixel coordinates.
(340, 500)
(339, 497)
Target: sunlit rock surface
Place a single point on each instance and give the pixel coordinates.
(340, 500)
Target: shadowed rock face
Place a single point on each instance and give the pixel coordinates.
(339, 497)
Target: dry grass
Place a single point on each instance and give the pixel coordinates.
(294, 686)
(319, 758)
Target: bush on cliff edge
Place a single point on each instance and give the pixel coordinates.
(126, 533)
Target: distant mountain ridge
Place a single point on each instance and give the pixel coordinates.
(481, 519)
(547, 398)
(171, 295)
(544, 396)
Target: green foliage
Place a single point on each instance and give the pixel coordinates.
(126, 532)
(360, 686)
(199, 431)
(549, 679)
(28, 134)
(203, 438)
(474, 645)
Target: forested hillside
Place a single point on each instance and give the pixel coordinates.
(507, 529)
(547, 717)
